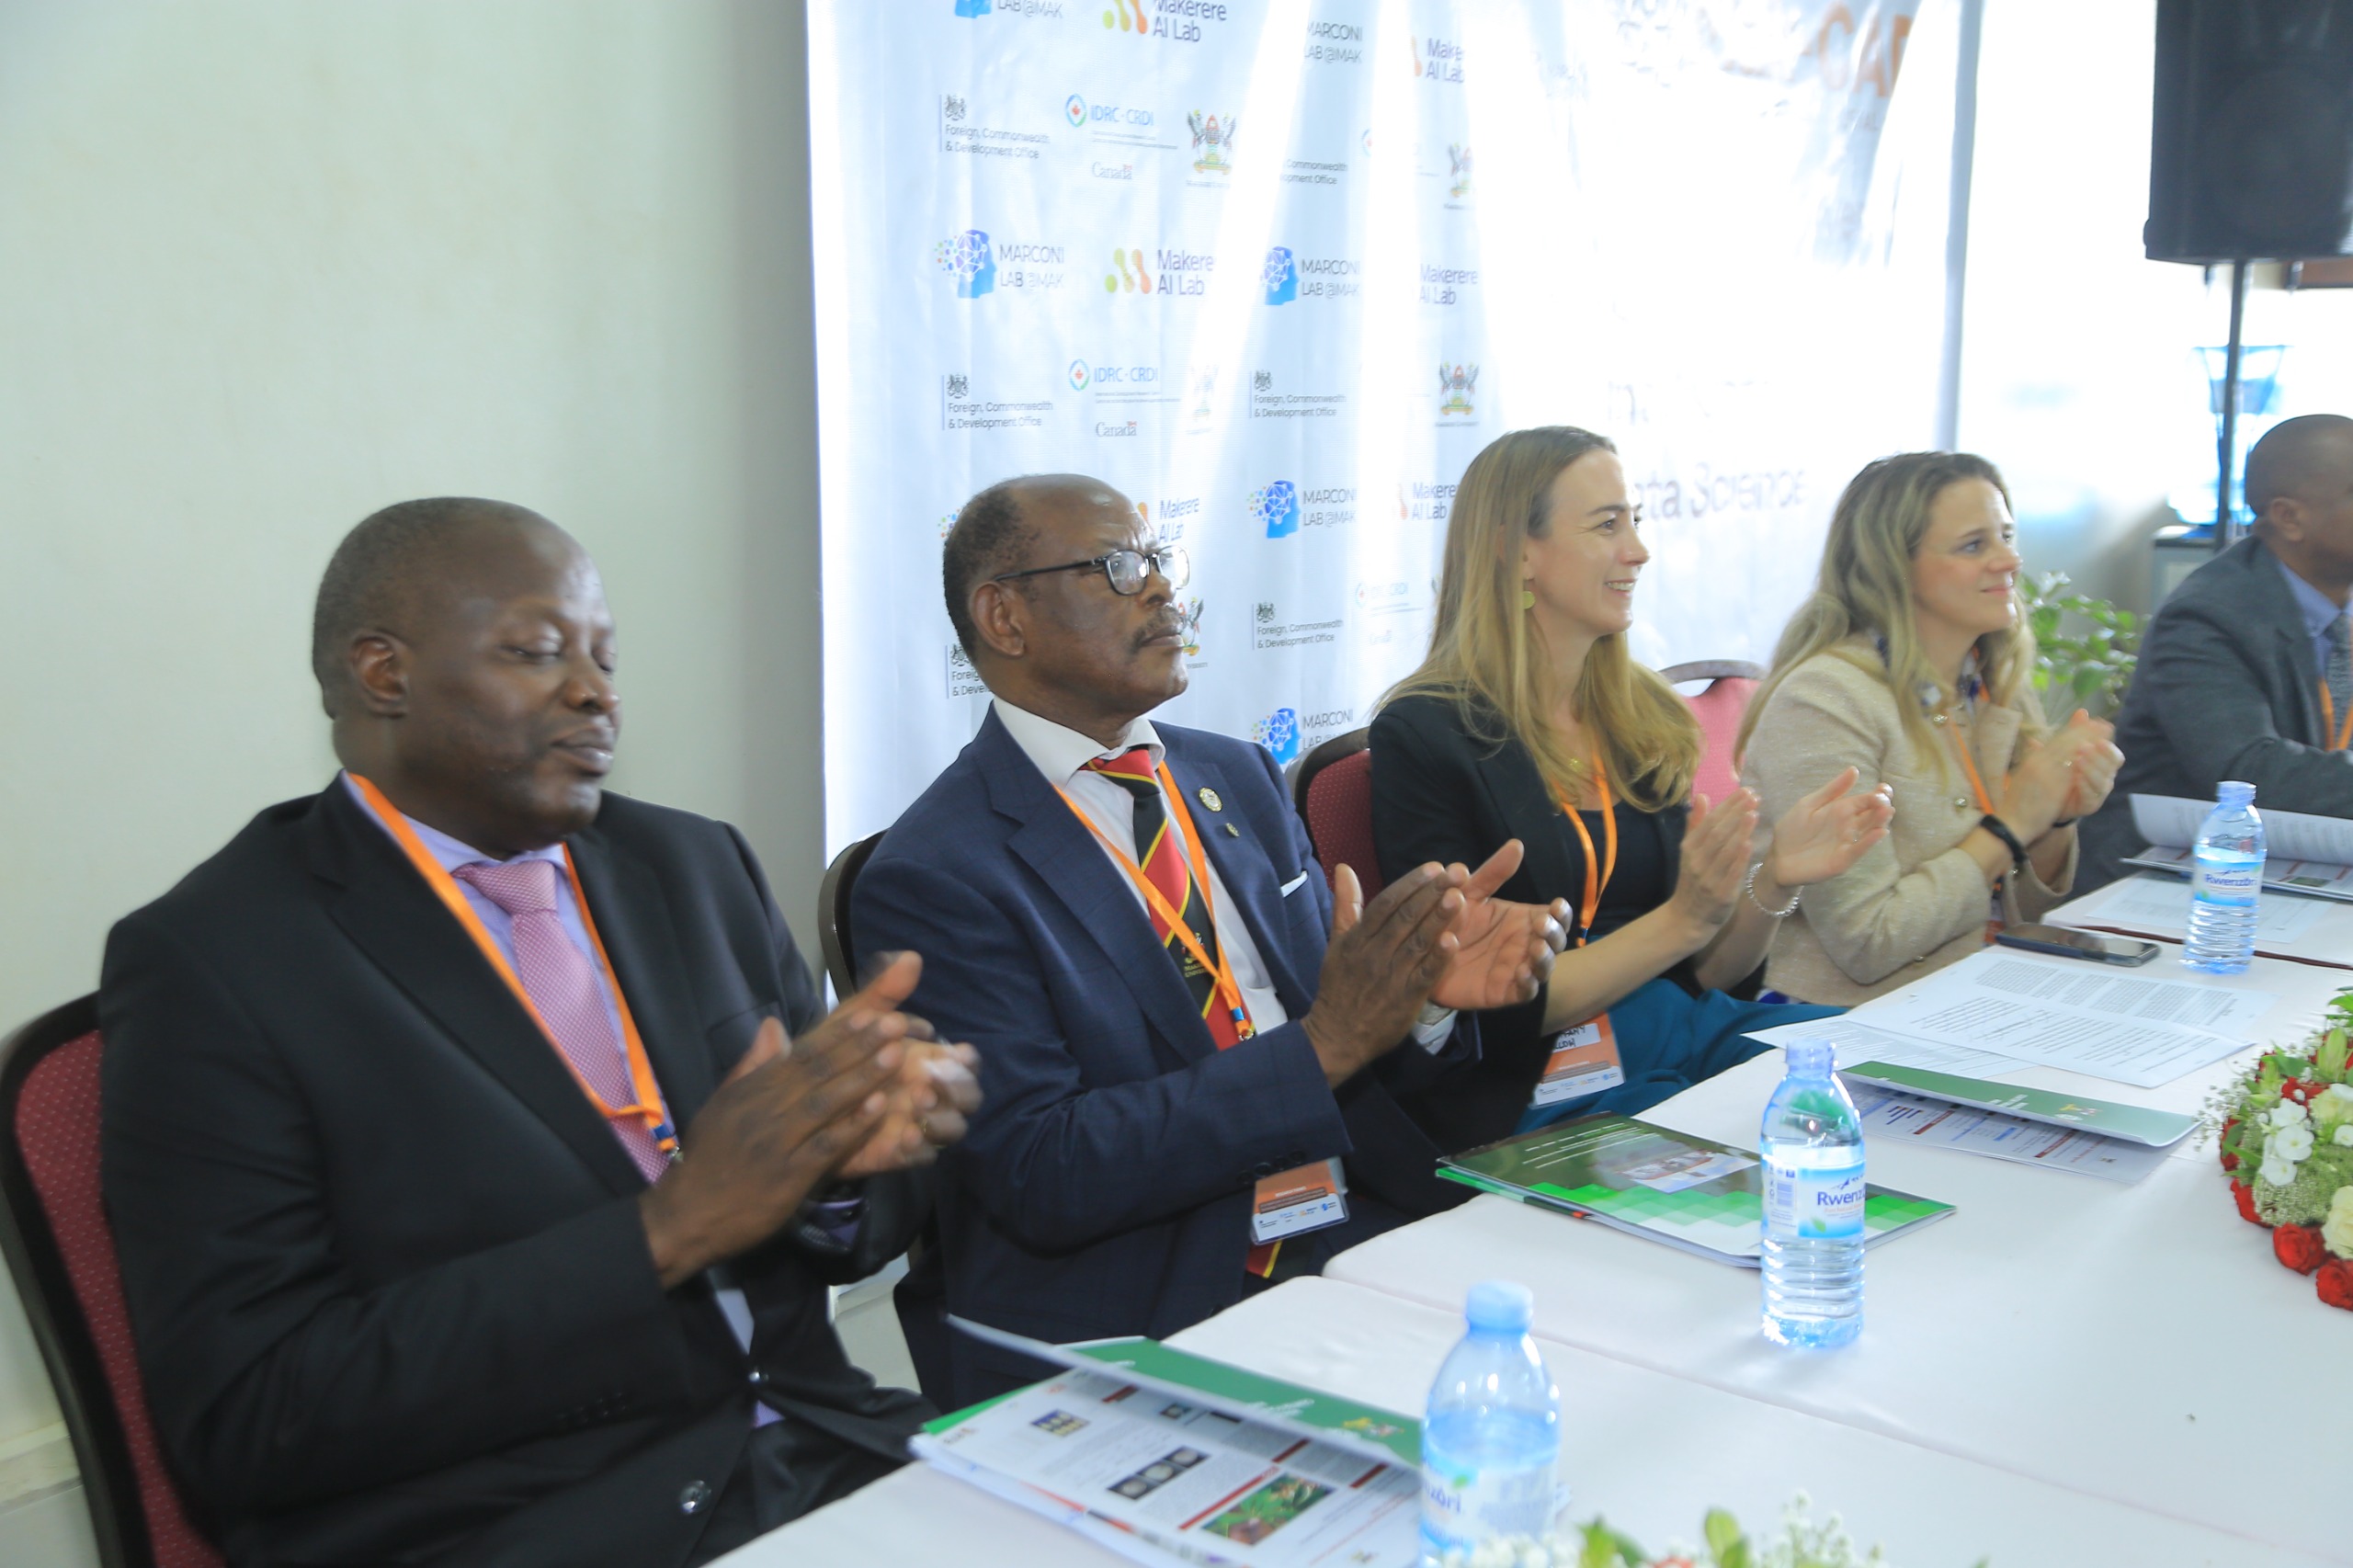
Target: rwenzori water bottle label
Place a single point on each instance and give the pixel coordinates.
(1464, 1504)
(1814, 1203)
(2227, 883)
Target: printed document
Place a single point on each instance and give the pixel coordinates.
(1855, 1041)
(2095, 1018)
(1891, 1114)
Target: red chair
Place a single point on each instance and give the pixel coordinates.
(1718, 707)
(59, 1248)
(1333, 791)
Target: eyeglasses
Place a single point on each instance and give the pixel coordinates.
(1124, 569)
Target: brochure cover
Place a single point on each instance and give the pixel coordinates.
(2135, 1124)
(1689, 1192)
(1193, 1462)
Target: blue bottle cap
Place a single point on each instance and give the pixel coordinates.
(2235, 792)
(1498, 1306)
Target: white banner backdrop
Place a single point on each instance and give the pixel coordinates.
(1278, 270)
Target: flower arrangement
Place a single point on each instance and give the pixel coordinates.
(1801, 1543)
(2286, 1137)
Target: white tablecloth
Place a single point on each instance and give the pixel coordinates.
(1649, 1450)
(2135, 1344)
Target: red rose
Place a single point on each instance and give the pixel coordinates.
(2296, 1090)
(2334, 1283)
(2246, 1195)
(2230, 1161)
(2299, 1246)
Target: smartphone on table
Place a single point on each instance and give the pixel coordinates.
(2067, 942)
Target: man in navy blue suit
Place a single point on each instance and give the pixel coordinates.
(1188, 1082)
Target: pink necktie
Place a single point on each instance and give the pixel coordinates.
(562, 984)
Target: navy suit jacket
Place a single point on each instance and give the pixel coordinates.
(1105, 1187)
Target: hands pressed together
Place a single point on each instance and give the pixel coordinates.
(2067, 776)
(1436, 934)
(867, 1089)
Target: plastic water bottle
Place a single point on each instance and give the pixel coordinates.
(2225, 887)
(1491, 1442)
(1812, 1146)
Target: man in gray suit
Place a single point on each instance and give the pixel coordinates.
(2246, 673)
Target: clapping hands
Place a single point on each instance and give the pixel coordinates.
(1828, 830)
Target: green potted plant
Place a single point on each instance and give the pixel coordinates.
(2084, 648)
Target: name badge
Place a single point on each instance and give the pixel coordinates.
(1293, 1203)
(1583, 1062)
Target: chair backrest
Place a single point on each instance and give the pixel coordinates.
(60, 1250)
(1718, 707)
(1334, 794)
(833, 914)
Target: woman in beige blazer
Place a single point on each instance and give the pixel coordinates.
(1911, 663)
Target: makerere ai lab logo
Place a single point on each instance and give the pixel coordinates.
(1279, 732)
(1275, 507)
(968, 257)
(1280, 275)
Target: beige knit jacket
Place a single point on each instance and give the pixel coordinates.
(1916, 900)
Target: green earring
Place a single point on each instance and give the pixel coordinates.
(1527, 598)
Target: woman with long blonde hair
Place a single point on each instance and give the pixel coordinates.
(1913, 664)
(1529, 720)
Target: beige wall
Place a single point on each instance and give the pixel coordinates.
(267, 265)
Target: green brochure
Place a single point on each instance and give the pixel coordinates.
(1703, 1196)
(1378, 1433)
(2134, 1124)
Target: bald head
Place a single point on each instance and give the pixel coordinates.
(2300, 486)
(465, 652)
(996, 530)
(389, 571)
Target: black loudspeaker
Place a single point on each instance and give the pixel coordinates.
(2251, 156)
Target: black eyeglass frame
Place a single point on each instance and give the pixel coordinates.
(1165, 561)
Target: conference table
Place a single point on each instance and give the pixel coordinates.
(2064, 1371)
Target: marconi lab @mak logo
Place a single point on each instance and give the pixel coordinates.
(1275, 507)
(1279, 732)
(968, 257)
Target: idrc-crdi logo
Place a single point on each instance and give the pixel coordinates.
(1079, 375)
(1276, 508)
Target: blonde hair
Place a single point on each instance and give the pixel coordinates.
(1866, 589)
(1486, 657)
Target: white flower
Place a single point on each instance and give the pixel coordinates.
(2275, 1170)
(2342, 1093)
(2342, 1136)
(2287, 1113)
(2293, 1145)
(2336, 1231)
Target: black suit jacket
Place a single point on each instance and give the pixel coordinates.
(1439, 795)
(2227, 687)
(391, 1295)
(1105, 1187)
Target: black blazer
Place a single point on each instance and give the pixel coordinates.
(1439, 795)
(1105, 1187)
(2227, 687)
(392, 1296)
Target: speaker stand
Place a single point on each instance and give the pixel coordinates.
(2226, 516)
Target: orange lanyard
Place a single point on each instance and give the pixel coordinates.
(2335, 738)
(1220, 972)
(1969, 764)
(1596, 874)
(649, 1107)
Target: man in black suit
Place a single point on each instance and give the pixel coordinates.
(1162, 1099)
(2244, 666)
(403, 1291)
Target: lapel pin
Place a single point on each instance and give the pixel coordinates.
(1209, 798)
(1233, 830)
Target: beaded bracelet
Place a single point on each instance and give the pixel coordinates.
(1749, 887)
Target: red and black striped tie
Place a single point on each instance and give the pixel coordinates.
(1162, 859)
